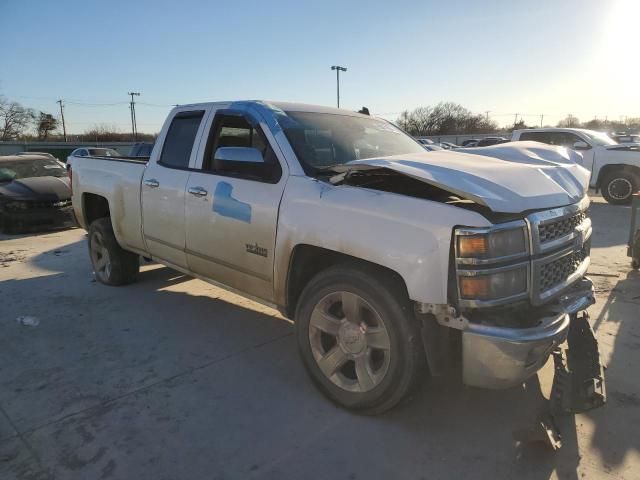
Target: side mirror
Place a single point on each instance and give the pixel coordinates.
(238, 154)
(580, 145)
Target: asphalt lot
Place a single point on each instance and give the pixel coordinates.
(171, 378)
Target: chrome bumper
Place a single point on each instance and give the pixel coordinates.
(499, 357)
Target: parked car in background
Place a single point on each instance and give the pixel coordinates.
(141, 150)
(470, 143)
(94, 152)
(35, 191)
(388, 258)
(487, 141)
(626, 137)
(449, 145)
(426, 141)
(615, 167)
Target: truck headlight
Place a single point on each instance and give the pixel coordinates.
(495, 243)
(492, 264)
(493, 285)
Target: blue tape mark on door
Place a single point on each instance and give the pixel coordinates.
(227, 206)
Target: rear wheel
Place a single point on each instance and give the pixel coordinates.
(112, 264)
(618, 187)
(358, 338)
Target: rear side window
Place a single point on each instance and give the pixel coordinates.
(180, 139)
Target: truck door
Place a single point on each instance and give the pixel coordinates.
(163, 188)
(232, 205)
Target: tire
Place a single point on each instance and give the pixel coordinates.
(111, 264)
(618, 186)
(376, 360)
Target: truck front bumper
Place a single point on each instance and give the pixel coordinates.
(499, 357)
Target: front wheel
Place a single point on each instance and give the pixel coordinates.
(619, 186)
(111, 263)
(358, 338)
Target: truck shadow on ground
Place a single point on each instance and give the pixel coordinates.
(616, 434)
(126, 367)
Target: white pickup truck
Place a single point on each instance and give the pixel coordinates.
(392, 261)
(615, 167)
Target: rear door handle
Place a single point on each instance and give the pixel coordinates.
(152, 183)
(197, 191)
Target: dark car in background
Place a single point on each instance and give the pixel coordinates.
(35, 191)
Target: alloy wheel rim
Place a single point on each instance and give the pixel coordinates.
(100, 257)
(620, 188)
(349, 342)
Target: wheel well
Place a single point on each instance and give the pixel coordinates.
(308, 260)
(607, 169)
(94, 207)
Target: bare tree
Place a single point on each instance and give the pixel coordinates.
(570, 121)
(445, 118)
(46, 124)
(14, 119)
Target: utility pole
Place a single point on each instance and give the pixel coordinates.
(338, 69)
(64, 127)
(515, 120)
(134, 127)
(541, 118)
(487, 114)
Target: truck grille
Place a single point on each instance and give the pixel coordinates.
(557, 271)
(560, 228)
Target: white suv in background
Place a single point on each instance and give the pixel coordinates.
(615, 167)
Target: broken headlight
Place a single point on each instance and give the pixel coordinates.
(492, 264)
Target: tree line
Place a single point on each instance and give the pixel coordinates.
(448, 118)
(18, 122)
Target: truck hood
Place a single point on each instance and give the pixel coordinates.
(510, 178)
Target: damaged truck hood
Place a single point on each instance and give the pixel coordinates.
(510, 178)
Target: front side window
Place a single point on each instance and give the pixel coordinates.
(324, 139)
(180, 139)
(237, 131)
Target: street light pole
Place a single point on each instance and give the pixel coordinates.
(338, 69)
(134, 127)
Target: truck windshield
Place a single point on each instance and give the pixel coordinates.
(324, 139)
(600, 139)
(14, 170)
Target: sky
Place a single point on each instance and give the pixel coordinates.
(547, 57)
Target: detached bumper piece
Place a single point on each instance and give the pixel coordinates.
(578, 384)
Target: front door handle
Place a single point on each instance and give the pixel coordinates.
(197, 191)
(152, 183)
